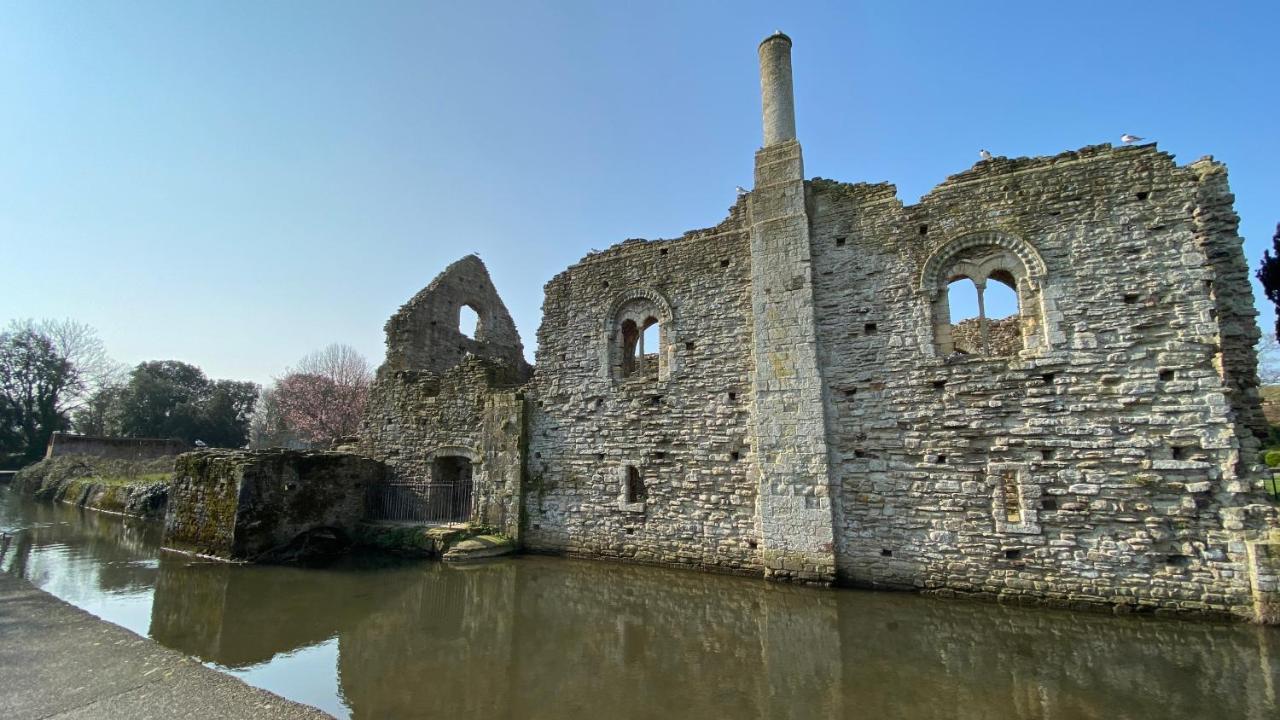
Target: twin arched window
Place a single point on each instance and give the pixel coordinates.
(640, 337)
(1007, 304)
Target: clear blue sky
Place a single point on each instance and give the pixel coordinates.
(235, 184)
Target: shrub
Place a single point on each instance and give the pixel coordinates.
(1272, 458)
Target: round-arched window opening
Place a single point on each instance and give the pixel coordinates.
(468, 321)
(1001, 297)
(962, 299)
(984, 316)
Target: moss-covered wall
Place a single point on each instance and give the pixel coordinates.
(249, 505)
(201, 516)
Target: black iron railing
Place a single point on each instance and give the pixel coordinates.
(420, 501)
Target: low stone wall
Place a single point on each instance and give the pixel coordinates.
(115, 448)
(267, 506)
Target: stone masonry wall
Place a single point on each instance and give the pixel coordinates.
(425, 333)
(685, 427)
(788, 422)
(1105, 466)
(240, 505)
(471, 410)
(442, 394)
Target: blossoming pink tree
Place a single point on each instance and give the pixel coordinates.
(323, 398)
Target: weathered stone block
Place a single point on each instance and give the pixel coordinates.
(268, 506)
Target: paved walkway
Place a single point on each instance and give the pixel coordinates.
(57, 661)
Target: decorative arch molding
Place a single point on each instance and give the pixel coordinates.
(635, 304)
(938, 268)
(633, 294)
(991, 255)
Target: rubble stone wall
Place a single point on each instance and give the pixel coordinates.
(471, 410)
(1104, 466)
(242, 505)
(684, 429)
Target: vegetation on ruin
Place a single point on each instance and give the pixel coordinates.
(51, 474)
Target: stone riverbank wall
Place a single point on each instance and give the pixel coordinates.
(797, 393)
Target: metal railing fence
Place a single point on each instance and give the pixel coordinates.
(420, 501)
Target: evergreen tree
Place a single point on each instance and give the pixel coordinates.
(1269, 274)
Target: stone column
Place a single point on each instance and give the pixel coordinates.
(789, 425)
(775, 89)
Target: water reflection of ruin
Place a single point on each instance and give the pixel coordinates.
(543, 638)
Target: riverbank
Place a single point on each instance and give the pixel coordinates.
(125, 487)
(57, 661)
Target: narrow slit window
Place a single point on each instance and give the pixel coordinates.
(635, 490)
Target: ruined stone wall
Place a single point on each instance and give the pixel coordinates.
(425, 333)
(1100, 464)
(262, 505)
(442, 394)
(471, 410)
(683, 427)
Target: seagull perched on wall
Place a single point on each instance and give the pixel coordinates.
(984, 154)
(201, 443)
(742, 191)
(1128, 139)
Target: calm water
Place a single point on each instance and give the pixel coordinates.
(551, 638)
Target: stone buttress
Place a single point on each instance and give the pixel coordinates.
(794, 500)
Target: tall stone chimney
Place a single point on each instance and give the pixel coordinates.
(775, 89)
(794, 503)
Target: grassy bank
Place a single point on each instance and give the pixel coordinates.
(139, 488)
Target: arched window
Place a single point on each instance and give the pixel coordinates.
(468, 321)
(639, 344)
(988, 296)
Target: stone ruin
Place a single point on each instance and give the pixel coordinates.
(805, 408)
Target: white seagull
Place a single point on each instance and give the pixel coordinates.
(984, 154)
(742, 191)
(201, 443)
(1128, 139)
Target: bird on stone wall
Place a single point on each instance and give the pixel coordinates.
(201, 443)
(742, 191)
(1128, 139)
(984, 154)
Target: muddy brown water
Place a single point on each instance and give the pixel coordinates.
(538, 637)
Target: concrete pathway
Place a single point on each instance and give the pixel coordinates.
(57, 661)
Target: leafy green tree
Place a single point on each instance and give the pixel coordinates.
(36, 382)
(168, 398)
(99, 414)
(226, 412)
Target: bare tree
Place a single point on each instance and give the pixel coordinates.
(78, 343)
(1268, 359)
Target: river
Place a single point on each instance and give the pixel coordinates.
(540, 637)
